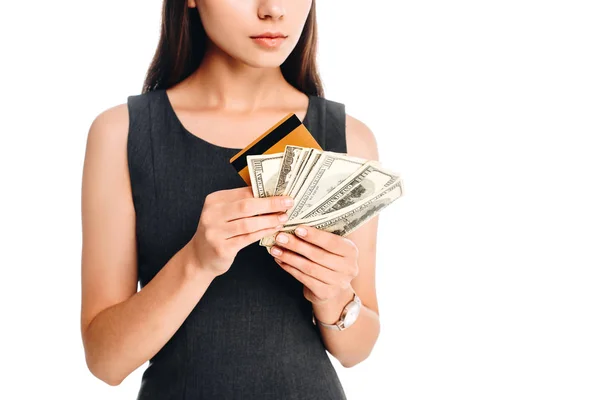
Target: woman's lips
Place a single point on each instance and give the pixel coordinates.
(269, 42)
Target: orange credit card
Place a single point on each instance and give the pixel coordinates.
(288, 131)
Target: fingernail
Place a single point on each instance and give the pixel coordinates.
(279, 227)
(282, 238)
(283, 217)
(276, 251)
(300, 231)
(288, 202)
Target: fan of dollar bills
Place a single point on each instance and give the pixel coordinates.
(332, 191)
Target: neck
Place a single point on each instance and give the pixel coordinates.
(227, 83)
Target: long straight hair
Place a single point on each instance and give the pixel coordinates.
(182, 46)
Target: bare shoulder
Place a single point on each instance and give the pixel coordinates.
(105, 153)
(360, 140)
(110, 125)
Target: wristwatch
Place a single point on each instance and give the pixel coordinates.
(348, 317)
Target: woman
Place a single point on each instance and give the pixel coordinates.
(216, 315)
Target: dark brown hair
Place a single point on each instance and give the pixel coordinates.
(182, 45)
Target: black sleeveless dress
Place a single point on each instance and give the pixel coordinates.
(251, 335)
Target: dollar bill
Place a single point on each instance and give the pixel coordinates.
(330, 170)
(368, 180)
(347, 220)
(302, 160)
(288, 166)
(263, 170)
(300, 178)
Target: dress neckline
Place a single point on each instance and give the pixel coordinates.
(171, 110)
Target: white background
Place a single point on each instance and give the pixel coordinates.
(488, 268)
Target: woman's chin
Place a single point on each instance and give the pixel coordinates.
(271, 60)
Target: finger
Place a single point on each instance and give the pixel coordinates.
(308, 250)
(308, 267)
(315, 285)
(246, 225)
(256, 206)
(328, 241)
(241, 241)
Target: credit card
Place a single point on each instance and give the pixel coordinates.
(288, 131)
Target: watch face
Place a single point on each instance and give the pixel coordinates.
(352, 314)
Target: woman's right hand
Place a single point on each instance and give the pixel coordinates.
(230, 220)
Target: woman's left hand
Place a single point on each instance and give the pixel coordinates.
(324, 262)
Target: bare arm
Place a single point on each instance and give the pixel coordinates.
(120, 327)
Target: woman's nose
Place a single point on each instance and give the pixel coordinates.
(271, 9)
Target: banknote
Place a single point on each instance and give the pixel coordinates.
(299, 167)
(263, 170)
(287, 168)
(366, 181)
(347, 220)
(330, 170)
(301, 177)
